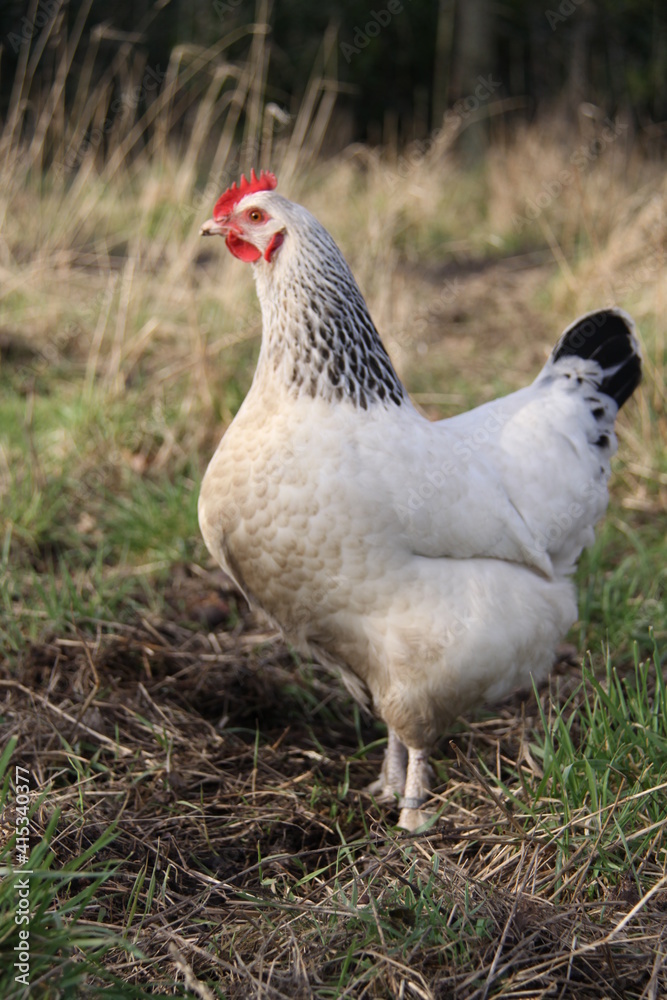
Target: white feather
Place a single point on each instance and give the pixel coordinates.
(430, 562)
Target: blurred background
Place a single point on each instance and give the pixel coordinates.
(395, 68)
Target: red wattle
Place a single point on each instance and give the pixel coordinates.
(241, 249)
(276, 241)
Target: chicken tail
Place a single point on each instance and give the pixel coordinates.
(608, 337)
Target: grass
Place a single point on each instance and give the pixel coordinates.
(198, 827)
(246, 849)
(56, 926)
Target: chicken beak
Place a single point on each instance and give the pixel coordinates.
(213, 228)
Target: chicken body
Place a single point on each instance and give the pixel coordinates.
(429, 562)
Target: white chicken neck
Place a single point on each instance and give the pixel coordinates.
(318, 337)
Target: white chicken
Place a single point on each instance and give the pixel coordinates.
(429, 562)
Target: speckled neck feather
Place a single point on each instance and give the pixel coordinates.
(318, 335)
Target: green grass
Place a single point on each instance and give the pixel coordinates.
(63, 923)
(603, 756)
(621, 584)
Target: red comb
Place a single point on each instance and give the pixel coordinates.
(225, 203)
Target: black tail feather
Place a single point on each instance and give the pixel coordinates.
(606, 336)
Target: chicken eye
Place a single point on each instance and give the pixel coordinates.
(255, 215)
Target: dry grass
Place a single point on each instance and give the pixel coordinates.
(251, 861)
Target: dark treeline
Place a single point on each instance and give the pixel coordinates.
(398, 64)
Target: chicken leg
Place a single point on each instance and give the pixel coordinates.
(391, 783)
(405, 776)
(416, 791)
